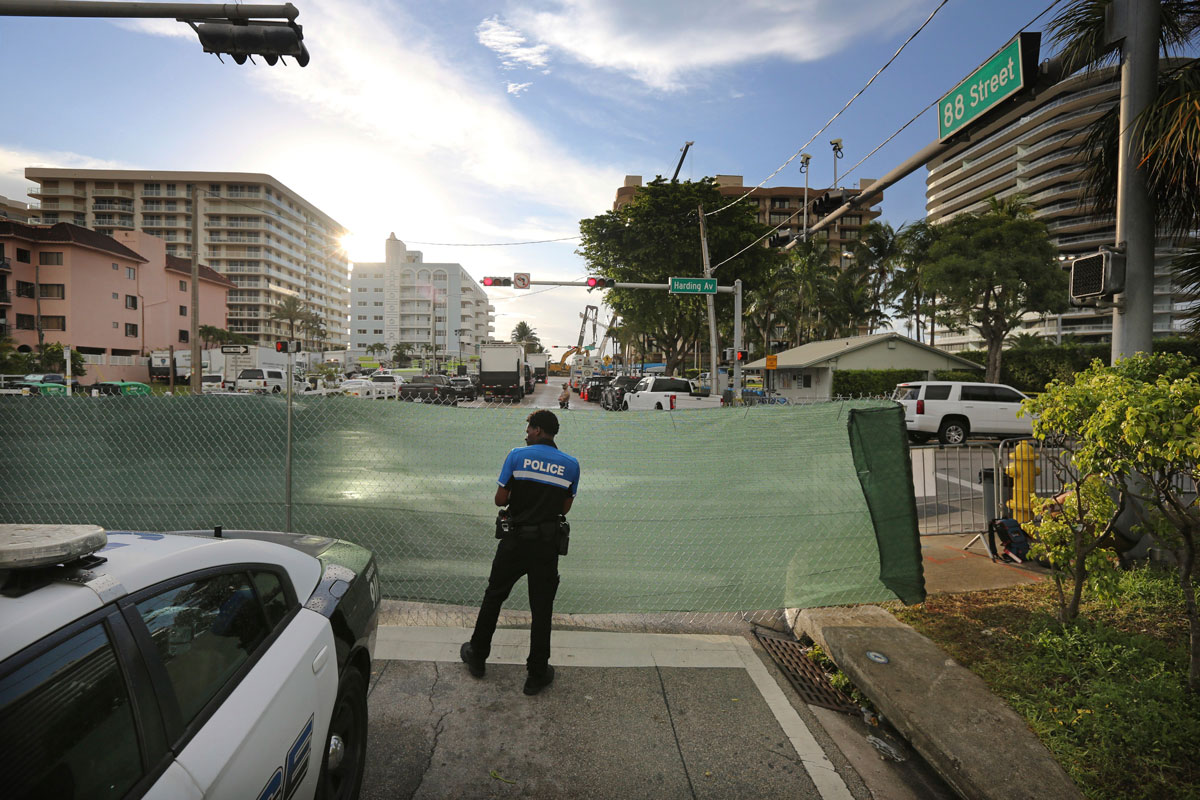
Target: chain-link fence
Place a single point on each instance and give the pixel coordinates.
(679, 514)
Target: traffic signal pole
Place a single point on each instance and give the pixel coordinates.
(714, 375)
(182, 11)
(1137, 24)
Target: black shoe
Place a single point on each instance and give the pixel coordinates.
(474, 663)
(539, 680)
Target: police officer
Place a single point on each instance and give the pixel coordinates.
(538, 484)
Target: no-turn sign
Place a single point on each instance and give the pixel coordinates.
(521, 280)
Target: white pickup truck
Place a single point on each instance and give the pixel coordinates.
(376, 387)
(655, 392)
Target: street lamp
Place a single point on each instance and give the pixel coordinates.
(804, 159)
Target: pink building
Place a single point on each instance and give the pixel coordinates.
(89, 291)
(166, 286)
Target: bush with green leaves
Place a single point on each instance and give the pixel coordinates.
(872, 382)
(1136, 424)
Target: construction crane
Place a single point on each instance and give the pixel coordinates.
(589, 312)
(607, 336)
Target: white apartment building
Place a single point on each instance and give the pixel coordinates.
(436, 308)
(1037, 151)
(257, 232)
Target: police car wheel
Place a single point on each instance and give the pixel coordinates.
(345, 753)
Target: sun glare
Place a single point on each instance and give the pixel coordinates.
(361, 248)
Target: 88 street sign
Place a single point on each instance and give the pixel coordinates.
(1002, 76)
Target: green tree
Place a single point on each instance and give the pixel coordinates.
(209, 335)
(989, 270)
(815, 280)
(909, 292)
(50, 358)
(290, 310)
(767, 306)
(527, 337)
(656, 236)
(1166, 136)
(1137, 425)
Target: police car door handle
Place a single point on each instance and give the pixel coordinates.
(320, 660)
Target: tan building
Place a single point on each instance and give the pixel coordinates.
(101, 297)
(268, 240)
(783, 206)
(13, 210)
(1036, 151)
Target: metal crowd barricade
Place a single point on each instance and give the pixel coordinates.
(954, 487)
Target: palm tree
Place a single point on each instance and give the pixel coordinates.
(908, 292)
(768, 301)
(527, 337)
(814, 281)
(879, 251)
(290, 310)
(208, 335)
(402, 353)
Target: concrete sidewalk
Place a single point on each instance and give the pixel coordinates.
(703, 716)
(628, 716)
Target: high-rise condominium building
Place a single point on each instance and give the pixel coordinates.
(268, 240)
(437, 309)
(783, 207)
(1036, 151)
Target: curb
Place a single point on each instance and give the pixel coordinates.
(979, 745)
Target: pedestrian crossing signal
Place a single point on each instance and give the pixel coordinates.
(287, 347)
(741, 356)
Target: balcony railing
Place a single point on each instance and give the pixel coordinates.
(123, 361)
(94, 358)
(5, 264)
(6, 298)
(98, 192)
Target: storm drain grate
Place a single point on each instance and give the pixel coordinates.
(807, 678)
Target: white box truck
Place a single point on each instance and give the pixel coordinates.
(538, 362)
(502, 371)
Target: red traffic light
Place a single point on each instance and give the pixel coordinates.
(600, 283)
(741, 355)
(494, 281)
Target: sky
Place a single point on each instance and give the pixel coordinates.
(491, 124)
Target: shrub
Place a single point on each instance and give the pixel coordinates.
(872, 382)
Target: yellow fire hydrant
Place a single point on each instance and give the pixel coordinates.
(1023, 470)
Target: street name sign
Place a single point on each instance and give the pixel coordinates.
(693, 286)
(1001, 77)
(235, 349)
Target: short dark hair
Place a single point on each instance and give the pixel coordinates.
(545, 421)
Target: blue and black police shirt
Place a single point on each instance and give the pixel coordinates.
(539, 478)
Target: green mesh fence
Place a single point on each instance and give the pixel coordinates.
(714, 510)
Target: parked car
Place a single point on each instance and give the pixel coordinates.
(429, 389)
(363, 387)
(122, 388)
(593, 387)
(187, 664)
(215, 382)
(464, 387)
(656, 393)
(45, 377)
(614, 393)
(954, 410)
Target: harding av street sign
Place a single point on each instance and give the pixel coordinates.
(693, 286)
(1002, 76)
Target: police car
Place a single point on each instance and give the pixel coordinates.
(183, 665)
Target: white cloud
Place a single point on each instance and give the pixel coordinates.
(510, 45)
(13, 183)
(517, 88)
(665, 43)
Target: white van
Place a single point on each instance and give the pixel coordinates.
(262, 380)
(954, 410)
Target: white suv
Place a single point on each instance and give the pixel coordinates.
(954, 410)
(657, 393)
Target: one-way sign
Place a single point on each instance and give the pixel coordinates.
(235, 349)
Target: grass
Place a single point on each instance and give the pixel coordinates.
(1107, 695)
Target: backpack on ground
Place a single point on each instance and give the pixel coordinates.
(1013, 539)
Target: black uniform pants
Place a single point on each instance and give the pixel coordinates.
(537, 559)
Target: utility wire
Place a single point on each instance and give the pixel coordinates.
(795, 155)
(495, 244)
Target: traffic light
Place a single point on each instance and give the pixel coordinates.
(287, 347)
(601, 283)
(495, 281)
(741, 356)
(241, 40)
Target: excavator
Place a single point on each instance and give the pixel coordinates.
(589, 312)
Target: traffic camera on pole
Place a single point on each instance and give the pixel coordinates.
(601, 283)
(246, 39)
(497, 281)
